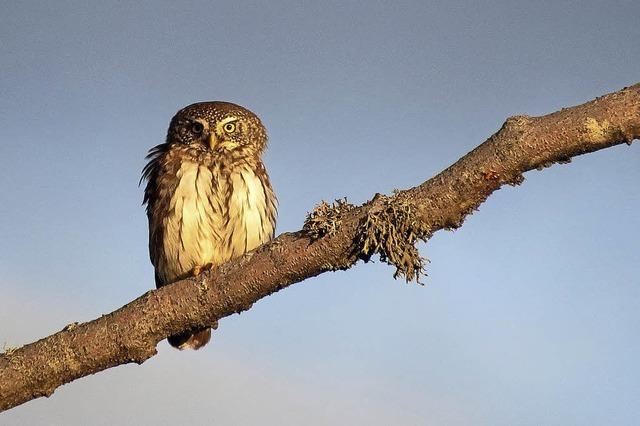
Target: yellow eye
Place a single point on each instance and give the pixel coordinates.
(230, 127)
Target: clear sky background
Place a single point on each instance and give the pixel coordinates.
(531, 311)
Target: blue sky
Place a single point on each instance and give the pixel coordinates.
(530, 314)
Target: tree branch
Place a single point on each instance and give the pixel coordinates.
(334, 237)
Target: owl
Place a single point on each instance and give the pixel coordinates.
(208, 196)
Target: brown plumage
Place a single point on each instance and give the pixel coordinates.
(208, 195)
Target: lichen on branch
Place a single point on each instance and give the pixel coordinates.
(389, 229)
(325, 218)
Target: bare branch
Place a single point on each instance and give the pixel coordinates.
(334, 237)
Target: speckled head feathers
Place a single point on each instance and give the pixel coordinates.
(232, 127)
(214, 111)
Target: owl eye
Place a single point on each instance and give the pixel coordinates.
(197, 127)
(230, 127)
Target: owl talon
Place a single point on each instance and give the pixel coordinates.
(200, 269)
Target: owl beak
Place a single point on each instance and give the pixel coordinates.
(213, 141)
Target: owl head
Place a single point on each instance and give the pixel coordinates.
(218, 127)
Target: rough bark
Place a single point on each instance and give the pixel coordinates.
(334, 237)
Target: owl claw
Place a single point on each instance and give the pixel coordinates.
(200, 269)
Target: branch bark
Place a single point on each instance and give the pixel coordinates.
(335, 237)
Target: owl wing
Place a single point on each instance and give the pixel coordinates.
(154, 197)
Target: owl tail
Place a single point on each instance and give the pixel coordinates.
(190, 340)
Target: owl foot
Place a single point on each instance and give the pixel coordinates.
(200, 269)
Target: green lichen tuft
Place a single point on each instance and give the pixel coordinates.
(325, 219)
(391, 229)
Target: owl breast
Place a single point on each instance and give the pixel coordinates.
(213, 217)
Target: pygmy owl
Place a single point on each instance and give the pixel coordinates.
(208, 195)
